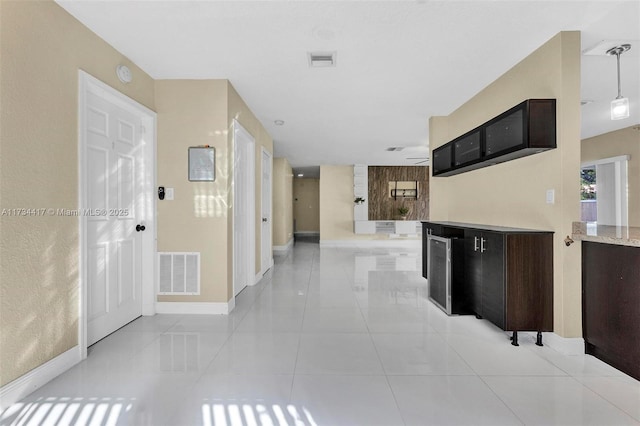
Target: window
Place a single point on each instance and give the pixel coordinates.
(604, 191)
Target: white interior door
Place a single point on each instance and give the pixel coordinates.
(267, 257)
(243, 208)
(114, 157)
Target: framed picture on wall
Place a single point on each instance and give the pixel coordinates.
(202, 164)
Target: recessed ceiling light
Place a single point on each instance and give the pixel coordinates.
(322, 59)
(278, 122)
(300, 174)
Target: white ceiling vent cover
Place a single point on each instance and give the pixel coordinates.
(322, 59)
(179, 273)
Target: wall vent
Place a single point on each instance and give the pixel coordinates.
(179, 273)
(322, 59)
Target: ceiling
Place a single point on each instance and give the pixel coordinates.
(398, 62)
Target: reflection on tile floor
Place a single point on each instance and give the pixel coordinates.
(330, 336)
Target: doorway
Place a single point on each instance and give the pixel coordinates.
(266, 248)
(243, 208)
(116, 210)
(604, 191)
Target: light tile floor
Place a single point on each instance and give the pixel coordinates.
(330, 337)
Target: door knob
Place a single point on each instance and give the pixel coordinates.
(140, 228)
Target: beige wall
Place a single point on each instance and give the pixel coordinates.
(613, 144)
(238, 110)
(200, 219)
(336, 203)
(306, 204)
(42, 47)
(513, 193)
(192, 113)
(282, 202)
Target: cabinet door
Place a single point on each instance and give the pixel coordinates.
(473, 270)
(493, 283)
(467, 149)
(506, 133)
(442, 160)
(610, 300)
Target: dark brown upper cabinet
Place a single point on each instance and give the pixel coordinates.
(526, 129)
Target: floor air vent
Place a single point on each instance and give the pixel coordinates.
(179, 273)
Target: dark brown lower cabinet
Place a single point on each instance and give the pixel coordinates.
(508, 274)
(611, 304)
(509, 277)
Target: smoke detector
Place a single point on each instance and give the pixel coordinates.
(322, 59)
(124, 74)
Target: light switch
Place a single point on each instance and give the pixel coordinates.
(551, 196)
(168, 194)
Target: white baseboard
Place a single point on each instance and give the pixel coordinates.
(269, 266)
(148, 309)
(28, 383)
(371, 243)
(186, 308)
(284, 247)
(231, 304)
(564, 345)
(257, 278)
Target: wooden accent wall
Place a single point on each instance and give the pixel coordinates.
(384, 207)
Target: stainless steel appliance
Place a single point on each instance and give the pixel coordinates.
(445, 273)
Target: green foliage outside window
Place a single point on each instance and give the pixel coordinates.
(588, 184)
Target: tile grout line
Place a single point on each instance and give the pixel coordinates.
(384, 370)
(605, 398)
(300, 333)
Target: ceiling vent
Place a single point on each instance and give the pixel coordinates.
(322, 59)
(395, 148)
(422, 160)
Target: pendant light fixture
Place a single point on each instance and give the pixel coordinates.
(620, 105)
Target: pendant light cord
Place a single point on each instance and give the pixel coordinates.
(618, 61)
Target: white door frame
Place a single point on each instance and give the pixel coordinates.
(619, 198)
(264, 268)
(241, 135)
(89, 84)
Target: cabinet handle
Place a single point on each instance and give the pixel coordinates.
(475, 243)
(482, 241)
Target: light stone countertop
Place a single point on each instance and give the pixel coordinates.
(618, 235)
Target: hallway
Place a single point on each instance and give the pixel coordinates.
(330, 336)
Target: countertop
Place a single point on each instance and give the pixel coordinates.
(504, 229)
(618, 235)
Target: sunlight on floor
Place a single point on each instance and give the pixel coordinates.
(68, 411)
(243, 414)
